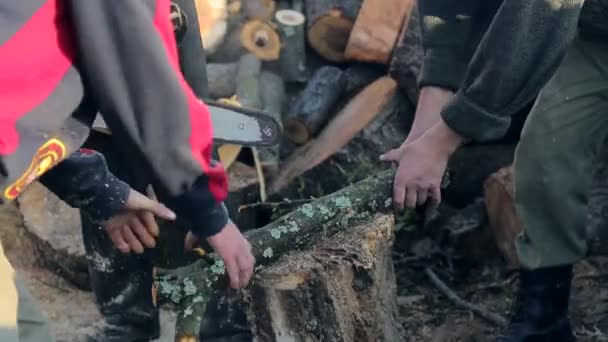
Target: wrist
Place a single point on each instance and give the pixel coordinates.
(447, 138)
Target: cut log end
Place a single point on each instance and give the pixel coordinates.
(261, 39)
(296, 130)
(329, 34)
(290, 17)
(377, 29)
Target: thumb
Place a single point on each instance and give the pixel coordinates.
(137, 201)
(392, 155)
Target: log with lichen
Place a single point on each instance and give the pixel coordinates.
(297, 230)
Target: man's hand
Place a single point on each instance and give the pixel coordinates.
(422, 164)
(235, 250)
(136, 227)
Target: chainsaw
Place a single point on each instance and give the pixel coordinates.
(232, 125)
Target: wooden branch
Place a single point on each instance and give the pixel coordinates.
(351, 120)
(261, 39)
(273, 96)
(292, 59)
(222, 79)
(295, 231)
(377, 29)
(454, 298)
(329, 25)
(212, 24)
(311, 109)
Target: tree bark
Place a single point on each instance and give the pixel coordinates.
(222, 79)
(358, 76)
(314, 105)
(273, 97)
(406, 60)
(341, 289)
(359, 112)
(376, 30)
(329, 25)
(292, 59)
(248, 78)
(261, 39)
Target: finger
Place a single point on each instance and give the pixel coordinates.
(233, 272)
(138, 201)
(411, 194)
(436, 194)
(422, 196)
(245, 263)
(142, 233)
(190, 241)
(398, 196)
(133, 242)
(118, 240)
(392, 155)
(149, 222)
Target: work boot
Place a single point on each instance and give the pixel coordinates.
(540, 312)
(225, 320)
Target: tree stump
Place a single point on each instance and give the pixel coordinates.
(506, 224)
(342, 289)
(55, 230)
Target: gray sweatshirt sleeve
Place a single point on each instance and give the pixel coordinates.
(521, 50)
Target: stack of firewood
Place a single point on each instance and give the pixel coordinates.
(330, 72)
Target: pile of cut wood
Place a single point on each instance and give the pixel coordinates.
(339, 75)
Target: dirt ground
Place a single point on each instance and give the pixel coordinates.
(72, 312)
(426, 313)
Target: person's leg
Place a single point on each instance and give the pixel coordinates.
(553, 168)
(32, 323)
(122, 283)
(8, 300)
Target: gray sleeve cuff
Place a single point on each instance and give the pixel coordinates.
(473, 122)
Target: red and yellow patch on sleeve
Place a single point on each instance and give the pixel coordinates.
(46, 157)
